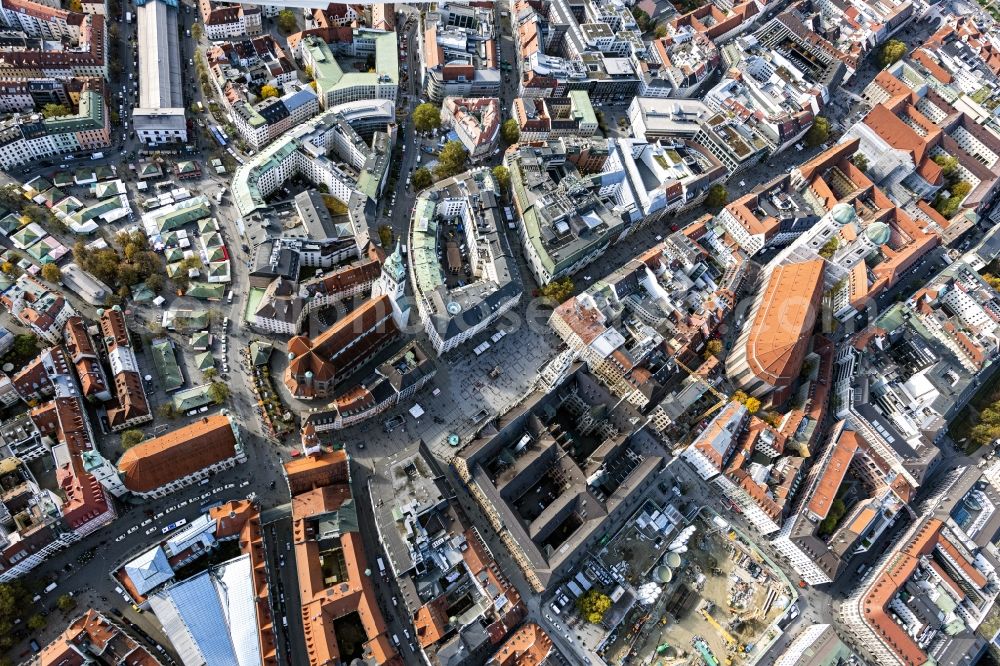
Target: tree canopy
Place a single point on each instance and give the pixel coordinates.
(947, 204)
(385, 235)
(53, 110)
(451, 160)
(51, 273)
(593, 605)
(135, 263)
(502, 174)
(891, 52)
(25, 348)
(947, 163)
(426, 117)
(267, 91)
(131, 437)
(859, 160)
(558, 290)
(642, 19)
(218, 392)
(833, 517)
(510, 131)
(717, 197)
(819, 132)
(14, 601)
(422, 178)
(286, 20)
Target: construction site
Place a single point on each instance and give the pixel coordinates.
(709, 598)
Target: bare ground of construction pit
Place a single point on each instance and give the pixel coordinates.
(717, 564)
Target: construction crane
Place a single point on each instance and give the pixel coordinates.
(714, 391)
(732, 642)
(723, 398)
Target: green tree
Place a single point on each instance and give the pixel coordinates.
(167, 411)
(385, 234)
(510, 131)
(819, 132)
(753, 405)
(196, 32)
(131, 437)
(451, 160)
(51, 273)
(641, 19)
(36, 622)
(66, 603)
(558, 290)
(422, 178)
(209, 373)
(829, 524)
(593, 605)
(25, 348)
(286, 20)
(426, 117)
(948, 165)
(660, 32)
(267, 91)
(960, 189)
(192, 262)
(713, 348)
(75, 6)
(717, 197)
(859, 160)
(502, 174)
(14, 599)
(891, 52)
(334, 205)
(10, 269)
(155, 283)
(829, 248)
(218, 392)
(740, 397)
(947, 204)
(54, 110)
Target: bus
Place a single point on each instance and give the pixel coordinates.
(218, 135)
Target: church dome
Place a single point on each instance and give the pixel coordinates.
(843, 214)
(878, 233)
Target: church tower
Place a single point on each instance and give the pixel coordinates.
(392, 283)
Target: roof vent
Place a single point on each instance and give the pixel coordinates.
(453, 308)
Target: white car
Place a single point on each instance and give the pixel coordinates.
(147, 522)
(206, 495)
(132, 529)
(119, 538)
(150, 531)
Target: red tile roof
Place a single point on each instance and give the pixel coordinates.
(780, 332)
(156, 462)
